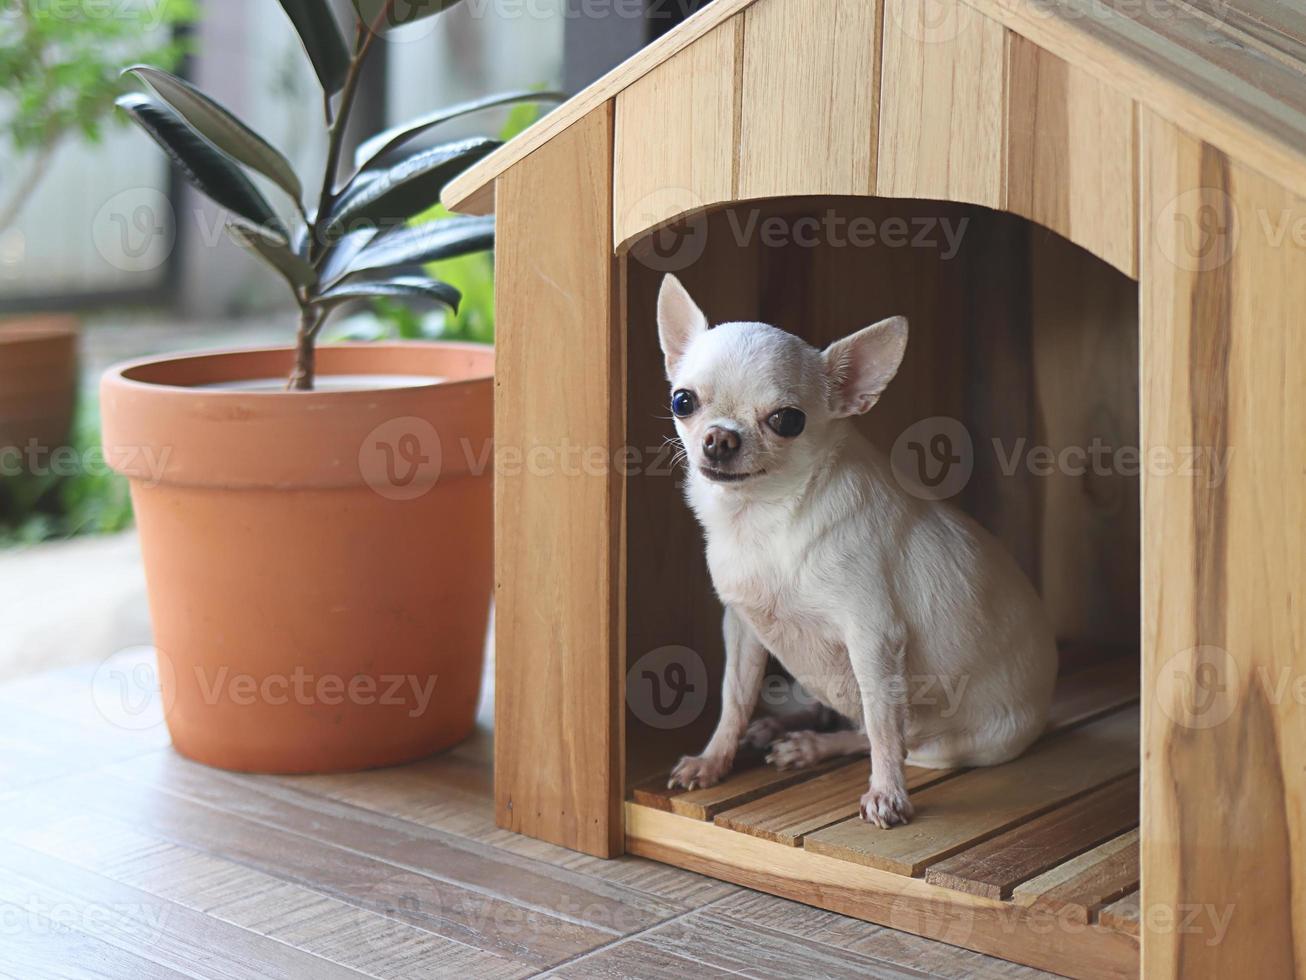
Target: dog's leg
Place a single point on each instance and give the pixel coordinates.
(745, 667)
(798, 750)
(762, 733)
(878, 665)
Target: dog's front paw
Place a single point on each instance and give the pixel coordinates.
(797, 750)
(762, 733)
(698, 772)
(886, 807)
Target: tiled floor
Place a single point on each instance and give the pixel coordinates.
(118, 858)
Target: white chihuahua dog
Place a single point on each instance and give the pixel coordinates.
(864, 592)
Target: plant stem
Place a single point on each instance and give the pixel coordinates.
(21, 192)
(301, 379)
(310, 320)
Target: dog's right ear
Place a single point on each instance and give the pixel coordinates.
(679, 321)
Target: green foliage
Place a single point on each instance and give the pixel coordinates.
(474, 318)
(79, 495)
(60, 62)
(359, 242)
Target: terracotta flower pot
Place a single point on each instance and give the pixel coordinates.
(38, 382)
(318, 563)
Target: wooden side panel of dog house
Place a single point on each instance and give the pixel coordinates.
(560, 410)
(1072, 153)
(942, 90)
(1223, 354)
(677, 132)
(808, 97)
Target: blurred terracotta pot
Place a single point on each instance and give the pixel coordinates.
(318, 563)
(38, 382)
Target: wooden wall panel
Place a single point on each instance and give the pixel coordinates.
(677, 130)
(1223, 354)
(558, 544)
(1072, 162)
(809, 97)
(942, 90)
(1085, 392)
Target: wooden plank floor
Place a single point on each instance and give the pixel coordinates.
(120, 859)
(1052, 834)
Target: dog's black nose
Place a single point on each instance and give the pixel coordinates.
(720, 444)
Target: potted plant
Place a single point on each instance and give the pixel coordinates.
(317, 549)
(60, 64)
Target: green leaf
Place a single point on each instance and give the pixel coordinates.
(384, 15)
(397, 193)
(297, 271)
(320, 34)
(403, 287)
(382, 143)
(222, 129)
(207, 168)
(338, 258)
(427, 243)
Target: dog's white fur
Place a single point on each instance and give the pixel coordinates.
(870, 596)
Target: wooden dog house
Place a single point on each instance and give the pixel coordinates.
(1131, 180)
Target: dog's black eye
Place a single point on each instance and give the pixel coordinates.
(683, 404)
(787, 422)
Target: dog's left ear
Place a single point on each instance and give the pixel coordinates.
(679, 321)
(860, 367)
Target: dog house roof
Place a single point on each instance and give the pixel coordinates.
(1231, 72)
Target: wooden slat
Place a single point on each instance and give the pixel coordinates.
(809, 119)
(1122, 915)
(985, 925)
(1224, 357)
(1077, 889)
(1093, 691)
(1072, 154)
(704, 804)
(788, 815)
(676, 134)
(559, 636)
(994, 867)
(941, 103)
(964, 811)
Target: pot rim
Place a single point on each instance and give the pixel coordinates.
(38, 328)
(119, 374)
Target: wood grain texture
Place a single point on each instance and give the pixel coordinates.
(1072, 154)
(1224, 361)
(1077, 889)
(787, 815)
(1229, 73)
(968, 809)
(677, 130)
(878, 896)
(1122, 914)
(558, 541)
(942, 108)
(808, 97)
(994, 867)
(1085, 394)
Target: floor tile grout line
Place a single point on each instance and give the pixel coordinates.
(164, 901)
